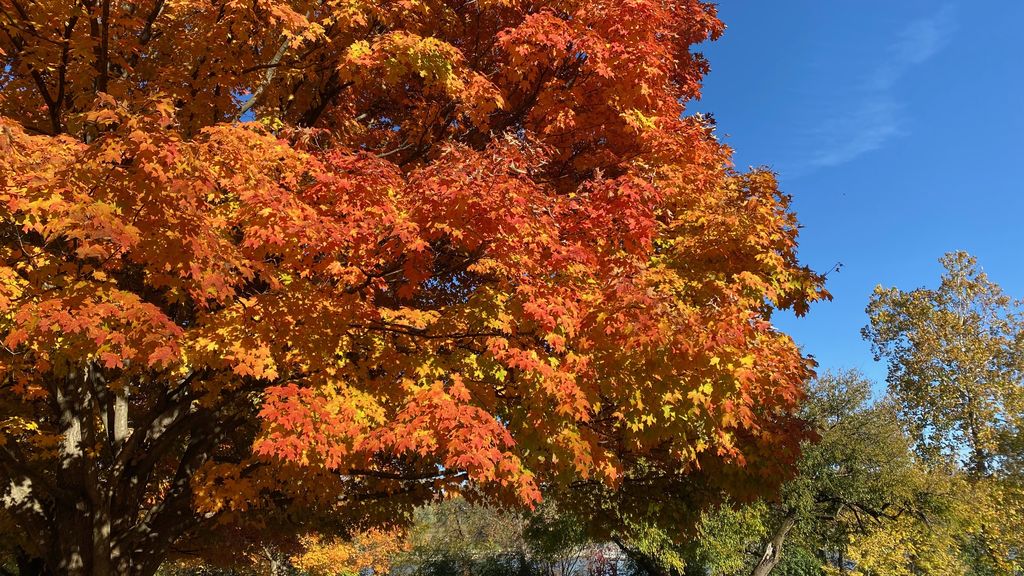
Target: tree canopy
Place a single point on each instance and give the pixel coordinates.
(267, 266)
(956, 363)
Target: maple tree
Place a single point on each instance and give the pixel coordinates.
(269, 263)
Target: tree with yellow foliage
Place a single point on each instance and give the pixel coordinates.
(956, 365)
(956, 371)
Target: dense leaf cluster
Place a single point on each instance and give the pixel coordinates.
(274, 267)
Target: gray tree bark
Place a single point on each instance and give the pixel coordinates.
(773, 548)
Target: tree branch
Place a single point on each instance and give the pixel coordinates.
(407, 477)
(268, 77)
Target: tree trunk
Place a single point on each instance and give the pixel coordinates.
(117, 494)
(29, 566)
(773, 549)
(101, 527)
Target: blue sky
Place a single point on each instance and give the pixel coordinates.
(897, 127)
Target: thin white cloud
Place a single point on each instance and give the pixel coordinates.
(865, 128)
(874, 115)
(924, 38)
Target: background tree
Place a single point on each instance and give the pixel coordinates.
(865, 503)
(457, 537)
(955, 358)
(461, 243)
(728, 539)
(860, 472)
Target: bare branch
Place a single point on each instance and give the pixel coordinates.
(268, 77)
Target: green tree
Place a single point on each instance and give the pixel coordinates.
(728, 538)
(859, 473)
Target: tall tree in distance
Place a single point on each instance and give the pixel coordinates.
(956, 364)
(270, 265)
(956, 370)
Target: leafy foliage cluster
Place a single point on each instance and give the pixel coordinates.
(278, 268)
(872, 495)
